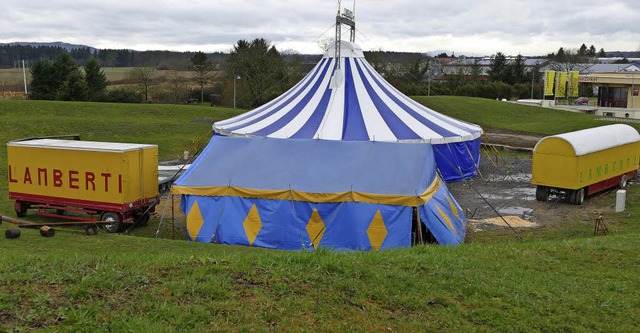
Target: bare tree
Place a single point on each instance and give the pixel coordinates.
(142, 76)
(566, 60)
(326, 43)
(176, 85)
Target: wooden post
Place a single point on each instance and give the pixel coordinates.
(600, 226)
(173, 226)
(420, 239)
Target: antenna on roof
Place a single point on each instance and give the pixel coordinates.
(347, 17)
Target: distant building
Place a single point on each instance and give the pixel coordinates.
(465, 66)
(616, 86)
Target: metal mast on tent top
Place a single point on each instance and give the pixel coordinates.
(347, 17)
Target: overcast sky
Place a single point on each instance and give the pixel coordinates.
(473, 28)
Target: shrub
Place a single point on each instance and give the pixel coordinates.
(122, 95)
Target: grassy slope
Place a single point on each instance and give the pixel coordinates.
(171, 127)
(496, 115)
(73, 282)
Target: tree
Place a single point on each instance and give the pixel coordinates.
(74, 88)
(261, 69)
(517, 71)
(202, 66)
(48, 78)
(42, 84)
(498, 68)
(565, 60)
(63, 67)
(476, 70)
(592, 51)
(177, 86)
(293, 68)
(142, 76)
(582, 51)
(602, 54)
(96, 80)
(378, 60)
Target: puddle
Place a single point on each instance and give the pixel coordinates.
(525, 190)
(492, 196)
(520, 193)
(519, 211)
(517, 177)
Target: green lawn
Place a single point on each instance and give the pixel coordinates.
(174, 128)
(560, 278)
(497, 115)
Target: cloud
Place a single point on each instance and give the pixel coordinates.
(516, 26)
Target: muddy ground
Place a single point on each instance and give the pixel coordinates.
(503, 189)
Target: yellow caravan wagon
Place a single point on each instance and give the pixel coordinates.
(581, 163)
(116, 181)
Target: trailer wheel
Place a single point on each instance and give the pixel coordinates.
(623, 182)
(578, 196)
(115, 218)
(21, 208)
(542, 193)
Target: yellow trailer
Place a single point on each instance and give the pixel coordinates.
(581, 163)
(116, 181)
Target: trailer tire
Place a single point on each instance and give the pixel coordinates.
(623, 182)
(578, 196)
(116, 220)
(542, 193)
(21, 209)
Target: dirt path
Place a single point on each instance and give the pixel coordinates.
(510, 139)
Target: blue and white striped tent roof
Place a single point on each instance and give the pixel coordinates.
(355, 103)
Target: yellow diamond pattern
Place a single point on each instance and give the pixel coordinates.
(194, 221)
(454, 209)
(252, 224)
(315, 228)
(446, 218)
(377, 231)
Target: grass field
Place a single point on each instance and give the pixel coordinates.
(560, 278)
(496, 115)
(14, 75)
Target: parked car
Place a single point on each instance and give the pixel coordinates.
(581, 101)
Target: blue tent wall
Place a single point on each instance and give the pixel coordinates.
(284, 223)
(217, 196)
(459, 160)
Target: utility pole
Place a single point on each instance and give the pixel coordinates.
(24, 77)
(533, 75)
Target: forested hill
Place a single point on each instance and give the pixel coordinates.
(12, 55)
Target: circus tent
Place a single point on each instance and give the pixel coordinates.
(309, 194)
(350, 101)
